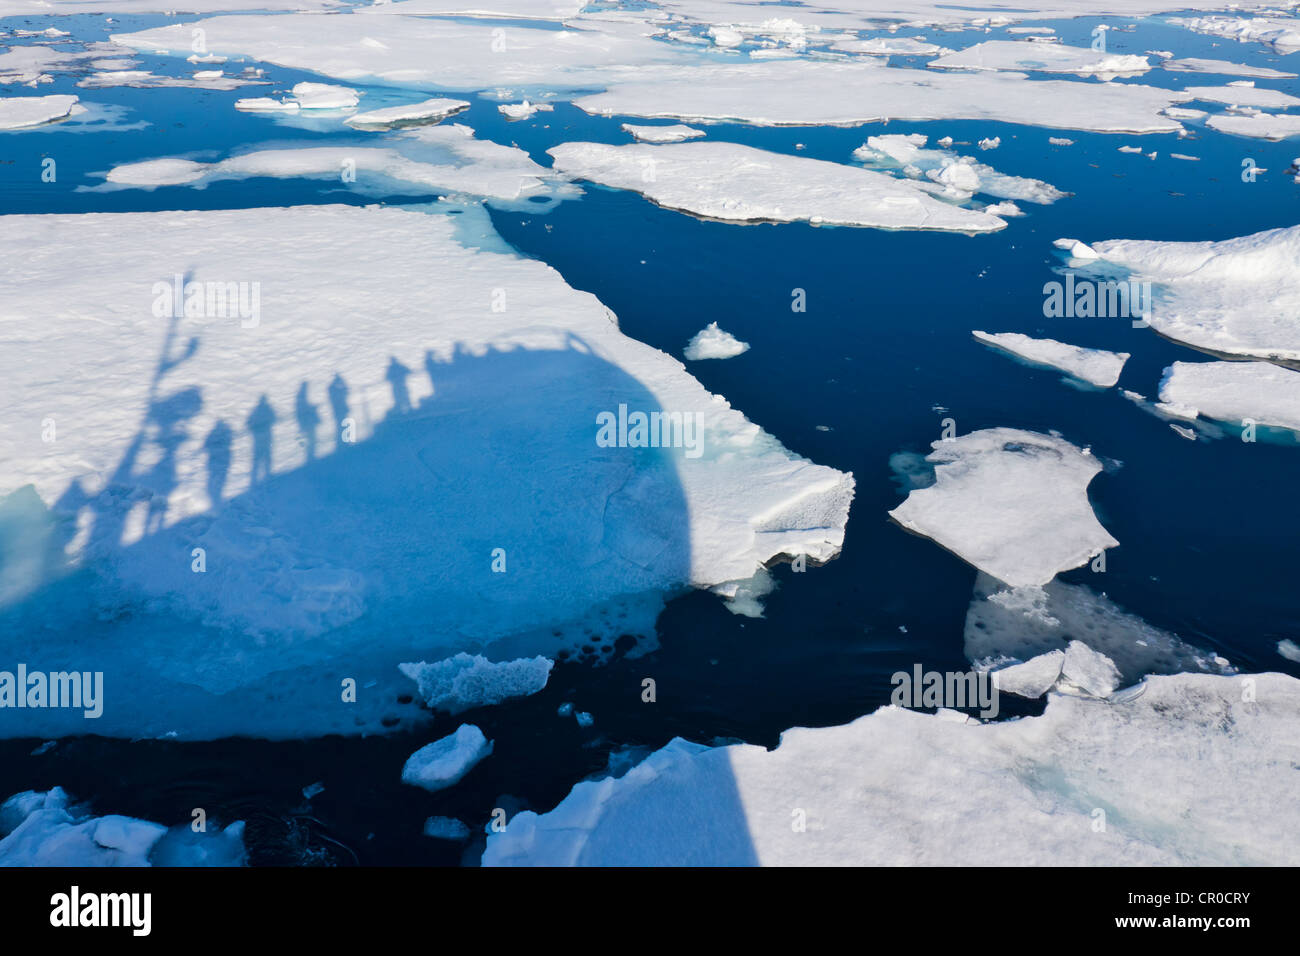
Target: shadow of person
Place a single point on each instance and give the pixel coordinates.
(168, 416)
(308, 420)
(338, 398)
(397, 375)
(218, 448)
(430, 367)
(260, 421)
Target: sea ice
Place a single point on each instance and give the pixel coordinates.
(958, 176)
(1013, 503)
(20, 112)
(324, 96)
(735, 183)
(1224, 68)
(1236, 392)
(1282, 34)
(464, 681)
(1236, 296)
(712, 342)
(518, 111)
(1095, 366)
(1244, 96)
(1270, 126)
(409, 114)
(900, 787)
(445, 828)
(676, 133)
(1089, 671)
(1289, 649)
(1032, 678)
(444, 762)
(1017, 55)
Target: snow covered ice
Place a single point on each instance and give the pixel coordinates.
(444, 762)
(1013, 503)
(712, 342)
(1235, 392)
(1097, 367)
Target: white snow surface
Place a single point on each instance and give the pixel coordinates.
(19, 112)
(428, 111)
(1193, 64)
(1024, 56)
(473, 431)
(1013, 503)
(677, 133)
(1236, 296)
(899, 787)
(735, 183)
(444, 762)
(712, 342)
(1095, 366)
(49, 829)
(1281, 34)
(1233, 392)
(1244, 96)
(1270, 126)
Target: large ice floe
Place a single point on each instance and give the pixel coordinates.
(1096, 367)
(1270, 126)
(477, 432)
(736, 183)
(20, 112)
(1013, 503)
(49, 829)
(948, 174)
(1243, 96)
(1194, 769)
(1282, 34)
(1193, 64)
(1237, 296)
(1042, 58)
(441, 160)
(1235, 392)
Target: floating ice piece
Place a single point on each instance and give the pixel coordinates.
(1089, 671)
(44, 8)
(1013, 503)
(1289, 649)
(889, 46)
(255, 104)
(1236, 392)
(46, 829)
(489, 9)
(1270, 126)
(445, 828)
(990, 143)
(1095, 366)
(1003, 209)
(518, 111)
(444, 762)
(1036, 57)
(1184, 156)
(1076, 249)
(1130, 149)
(1244, 96)
(206, 58)
(676, 133)
(410, 114)
(1281, 34)
(712, 342)
(21, 112)
(464, 681)
(1224, 68)
(324, 96)
(806, 92)
(477, 167)
(313, 790)
(1183, 431)
(1060, 141)
(960, 176)
(1021, 624)
(143, 79)
(261, 412)
(735, 183)
(1236, 296)
(1032, 678)
(1182, 113)
(1027, 788)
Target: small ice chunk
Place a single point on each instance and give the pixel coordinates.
(464, 681)
(990, 142)
(256, 104)
(410, 114)
(584, 719)
(1076, 249)
(1130, 149)
(519, 111)
(324, 96)
(677, 133)
(1097, 367)
(1060, 141)
(19, 112)
(1289, 649)
(1032, 678)
(312, 790)
(444, 762)
(712, 342)
(1089, 670)
(1237, 392)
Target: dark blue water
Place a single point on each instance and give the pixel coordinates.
(883, 353)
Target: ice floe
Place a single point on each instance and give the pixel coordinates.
(143, 79)
(1289, 649)
(736, 183)
(712, 342)
(1270, 126)
(1237, 296)
(519, 111)
(19, 112)
(324, 96)
(1016, 55)
(353, 361)
(1282, 34)
(677, 133)
(1095, 366)
(1013, 792)
(411, 114)
(445, 762)
(1013, 503)
(1244, 96)
(1224, 68)
(49, 829)
(1236, 392)
(957, 177)
(464, 681)
(888, 46)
